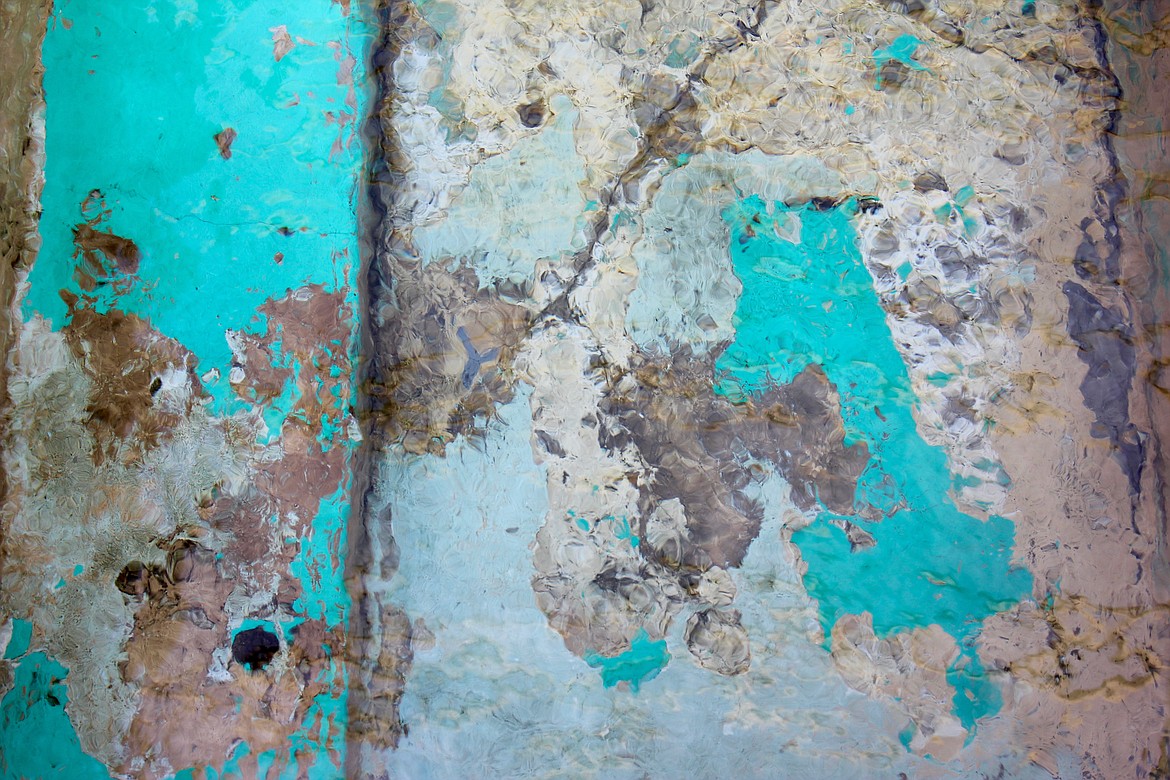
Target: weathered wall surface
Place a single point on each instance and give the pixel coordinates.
(179, 436)
(638, 389)
(834, 334)
(22, 28)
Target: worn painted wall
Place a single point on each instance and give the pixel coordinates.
(180, 443)
(476, 388)
(830, 334)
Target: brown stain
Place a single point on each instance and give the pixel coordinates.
(282, 42)
(694, 440)
(697, 451)
(419, 399)
(224, 140)
(1093, 650)
(124, 357)
(168, 657)
(180, 624)
(122, 252)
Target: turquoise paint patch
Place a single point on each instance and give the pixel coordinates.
(264, 763)
(624, 532)
(322, 734)
(906, 735)
(20, 639)
(683, 50)
(318, 567)
(279, 408)
(811, 300)
(643, 661)
(902, 50)
(36, 738)
(135, 96)
(166, 81)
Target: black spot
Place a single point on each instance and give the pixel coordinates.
(531, 114)
(893, 75)
(155, 385)
(255, 648)
(929, 180)
(136, 577)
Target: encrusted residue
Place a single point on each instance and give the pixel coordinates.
(767, 389)
(810, 307)
(180, 436)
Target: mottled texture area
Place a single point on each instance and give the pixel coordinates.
(179, 439)
(874, 276)
(627, 390)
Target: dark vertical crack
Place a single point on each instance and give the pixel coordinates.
(379, 634)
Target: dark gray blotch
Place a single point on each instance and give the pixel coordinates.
(1105, 344)
(475, 359)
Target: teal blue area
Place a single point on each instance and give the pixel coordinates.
(976, 696)
(231, 768)
(623, 530)
(642, 662)
(1028, 8)
(902, 50)
(278, 409)
(812, 302)
(683, 50)
(318, 566)
(906, 735)
(135, 94)
(36, 738)
(19, 641)
(955, 207)
(264, 763)
(850, 110)
(322, 732)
